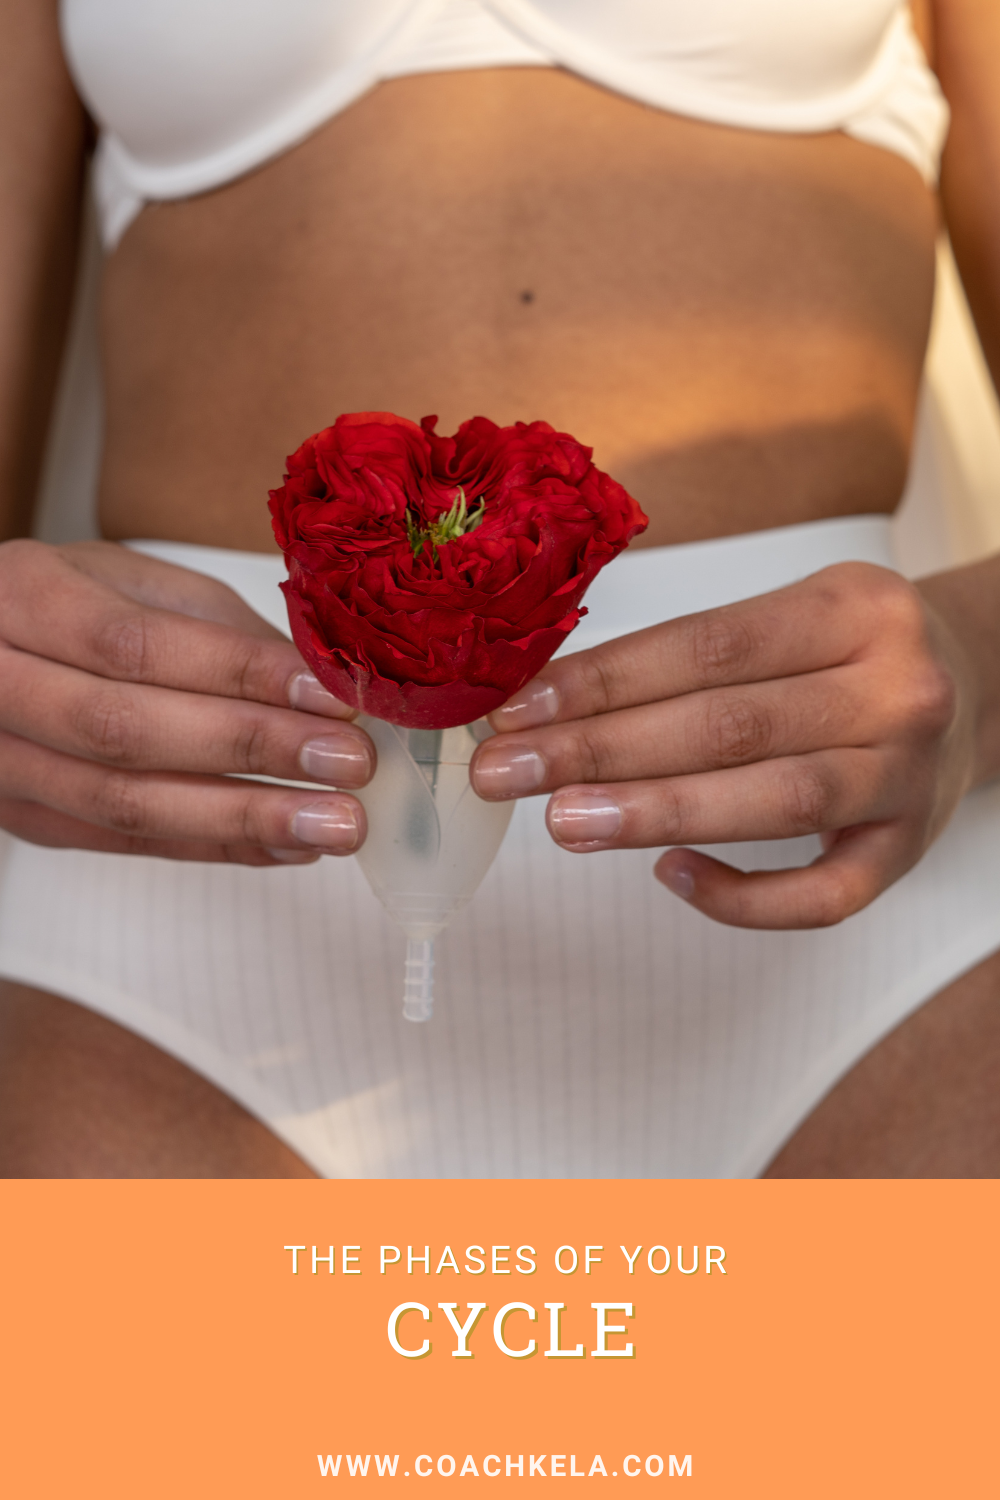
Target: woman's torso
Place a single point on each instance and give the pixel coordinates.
(734, 318)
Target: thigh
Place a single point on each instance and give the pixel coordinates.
(83, 1097)
(924, 1102)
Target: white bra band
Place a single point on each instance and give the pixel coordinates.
(191, 94)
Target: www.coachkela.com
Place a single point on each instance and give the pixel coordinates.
(511, 1466)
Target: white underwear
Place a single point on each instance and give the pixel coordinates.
(587, 1024)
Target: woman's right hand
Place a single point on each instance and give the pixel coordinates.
(132, 692)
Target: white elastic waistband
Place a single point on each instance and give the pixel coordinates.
(638, 589)
(651, 584)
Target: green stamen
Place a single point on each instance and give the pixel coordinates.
(458, 521)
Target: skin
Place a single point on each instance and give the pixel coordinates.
(686, 367)
(116, 1106)
(841, 706)
(736, 321)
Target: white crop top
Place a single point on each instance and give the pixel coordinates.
(189, 94)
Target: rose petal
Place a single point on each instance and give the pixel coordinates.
(441, 637)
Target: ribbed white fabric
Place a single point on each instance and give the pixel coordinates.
(587, 1023)
(192, 93)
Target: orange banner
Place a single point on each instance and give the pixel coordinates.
(283, 1339)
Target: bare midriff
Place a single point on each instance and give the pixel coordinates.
(735, 321)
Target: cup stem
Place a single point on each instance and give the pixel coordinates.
(418, 987)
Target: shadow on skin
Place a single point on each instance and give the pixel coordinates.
(773, 477)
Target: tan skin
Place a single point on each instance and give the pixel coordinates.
(666, 317)
(735, 320)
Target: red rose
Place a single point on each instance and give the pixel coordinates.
(431, 577)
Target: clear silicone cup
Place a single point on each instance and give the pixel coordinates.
(430, 838)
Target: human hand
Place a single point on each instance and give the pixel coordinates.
(841, 705)
(132, 692)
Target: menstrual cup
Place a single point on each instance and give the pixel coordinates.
(430, 838)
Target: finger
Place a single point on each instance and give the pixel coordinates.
(153, 728)
(697, 732)
(163, 585)
(51, 609)
(858, 866)
(153, 805)
(824, 621)
(776, 799)
(36, 824)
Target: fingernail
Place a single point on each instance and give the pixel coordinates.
(341, 759)
(328, 825)
(506, 771)
(677, 878)
(536, 703)
(294, 856)
(584, 818)
(306, 692)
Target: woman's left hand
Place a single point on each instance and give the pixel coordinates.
(842, 705)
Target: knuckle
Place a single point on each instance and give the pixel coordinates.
(255, 672)
(249, 669)
(737, 729)
(251, 820)
(251, 747)
(897, 602)
(810, 797)
(119, 803)
(870, 579)
(721, 645)
(596, 681)
(834, 901)
(246, 672)
(107, 729)
(122, 646)
(587, 753)
(884, 598)
(932, 699)
(671, 812)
